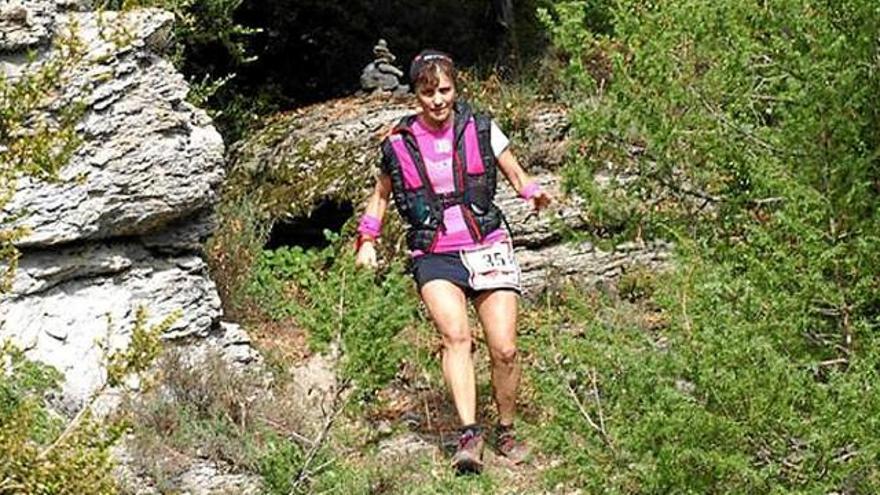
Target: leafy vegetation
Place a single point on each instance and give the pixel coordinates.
(210, 47)
(44, 452)
(205, 409)
(340, 305)
(749, 135)
(32, 140)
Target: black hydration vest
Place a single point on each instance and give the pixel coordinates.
(421, 207)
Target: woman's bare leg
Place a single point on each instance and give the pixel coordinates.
(497, 310)
(447, 306)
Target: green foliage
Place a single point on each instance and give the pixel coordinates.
(24, 384)
(44, 453)
(340, 304)
(210, 47)
(206, 409)
(209, 409)
(142, 350)
(234, 249)
(749, 134)
(34, 141)
(279, 465)
(37, 454)
(198, 23)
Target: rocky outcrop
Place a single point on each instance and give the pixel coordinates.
(25, 25)
(330, 151)
(122, 225)
(201, 477)
(148, 157)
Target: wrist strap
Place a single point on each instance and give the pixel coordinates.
(530, 190)
(370, 226)
(361, 239)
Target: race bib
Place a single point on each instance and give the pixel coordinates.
(492, 267)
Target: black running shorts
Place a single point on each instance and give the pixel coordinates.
(445, 266)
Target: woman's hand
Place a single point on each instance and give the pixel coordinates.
(540, 200)
(366, 255)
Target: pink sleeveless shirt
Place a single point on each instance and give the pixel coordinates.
(435, 147)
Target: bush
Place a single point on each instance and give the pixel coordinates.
(750, 136)
(33, 141)
(44, 453)
(340, 304)
(210, 48)
(239, 419)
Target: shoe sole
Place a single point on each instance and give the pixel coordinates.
(468, 466)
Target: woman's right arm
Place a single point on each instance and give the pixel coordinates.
(371, 222)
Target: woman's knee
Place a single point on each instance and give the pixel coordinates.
(458, 336)
(504, 354)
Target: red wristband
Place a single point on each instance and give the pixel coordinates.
(361, 239)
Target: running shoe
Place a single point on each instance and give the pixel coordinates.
(468, 457)
(508, 445)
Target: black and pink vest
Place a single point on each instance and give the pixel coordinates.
(474, 172)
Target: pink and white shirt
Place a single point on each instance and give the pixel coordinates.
(435, 147)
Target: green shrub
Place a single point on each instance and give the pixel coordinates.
(232, 417)
(34, 141)
(338, 303)
(209, 47)
(234, 248)
(42, 452)
(749, 135)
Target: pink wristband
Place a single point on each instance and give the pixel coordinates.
(370, 226)
(530, 190)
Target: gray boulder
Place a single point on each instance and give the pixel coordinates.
(25, 25)
(149, 157)
(123, 224)
(67, 303)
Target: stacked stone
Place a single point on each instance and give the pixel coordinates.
(381, 74)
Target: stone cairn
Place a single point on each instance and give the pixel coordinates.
(381, 75)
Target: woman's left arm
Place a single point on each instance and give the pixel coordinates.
(527, 187)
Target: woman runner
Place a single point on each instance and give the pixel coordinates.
(439, 165)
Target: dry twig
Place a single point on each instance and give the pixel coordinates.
(304, 473)
(599, 427)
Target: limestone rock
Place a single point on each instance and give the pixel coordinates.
(313, 386)
(380, 74)
(122, 226)
(149, 157)
(406, 447)
(200, 477)
(65, 301)
(547, 267)
(325, 151)
(183, 236)
(229, 341)
(25, 24)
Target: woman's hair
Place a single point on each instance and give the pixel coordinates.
(424, 67)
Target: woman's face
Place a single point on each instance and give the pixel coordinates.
(437, 101)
